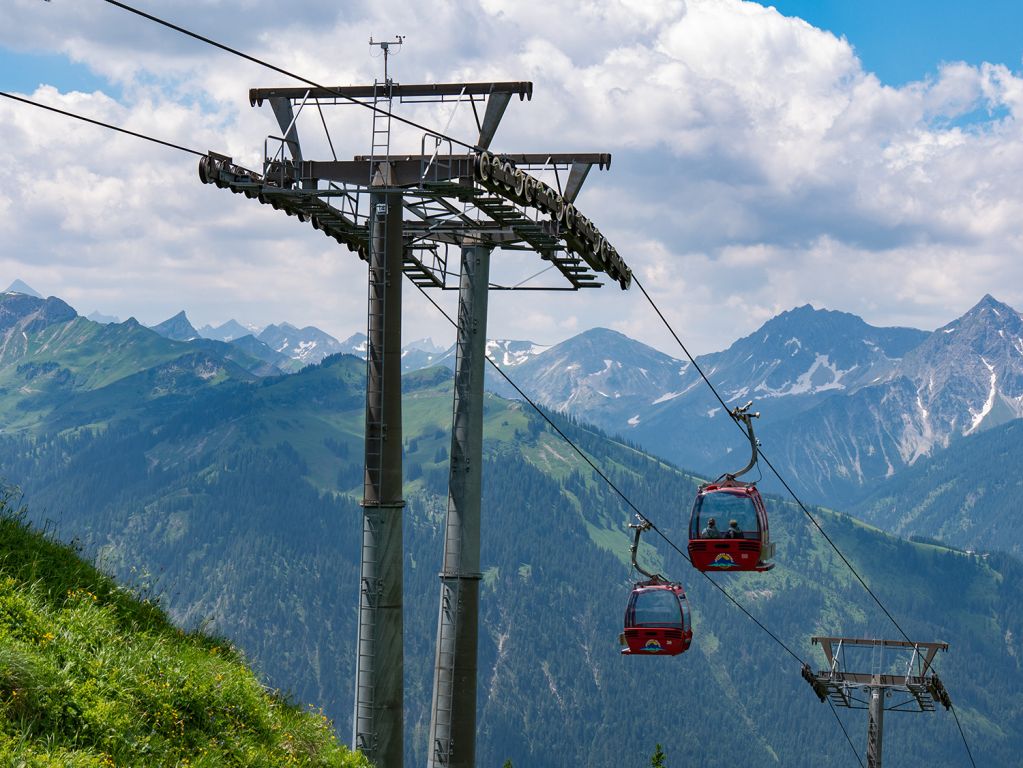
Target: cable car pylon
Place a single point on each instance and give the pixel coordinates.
(402, 214)
(893, 685)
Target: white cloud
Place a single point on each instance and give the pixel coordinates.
(757, 165)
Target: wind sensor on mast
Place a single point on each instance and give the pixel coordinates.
(385, 46)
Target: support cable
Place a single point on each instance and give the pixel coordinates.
(286, 73)
(635, 509)
(842, 726)
(959, 725)
(613, 486)
(767, 461)
(792, 493)
(101, 124)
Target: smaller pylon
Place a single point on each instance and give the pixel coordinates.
(902, 682)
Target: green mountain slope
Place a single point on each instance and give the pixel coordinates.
(48, 352)
(967, 495)
(239, 502)
(91, 676)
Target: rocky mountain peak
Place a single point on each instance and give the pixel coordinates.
(229, 331)
(177, 327)
(307, 345)
(355, 345)
(32, 312)
(98, 317)
(19, 286)
(805, 351)
(990, 329)
(596, 345)
(425, 344)
(990, 302)
(22, 314)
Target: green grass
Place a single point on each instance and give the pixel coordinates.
(90, 675)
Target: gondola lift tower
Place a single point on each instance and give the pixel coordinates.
(403, 214)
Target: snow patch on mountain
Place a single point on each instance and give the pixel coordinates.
(305, 350)
(509, 353)
(980, 415)
(822, 375)
(666, 397)
(920, 407)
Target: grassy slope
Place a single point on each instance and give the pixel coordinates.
(91, 676)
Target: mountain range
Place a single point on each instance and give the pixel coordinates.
(847, 407)
(290, 348)
(234, 496)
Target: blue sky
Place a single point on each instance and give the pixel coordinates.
(905, 40)
(24, 72)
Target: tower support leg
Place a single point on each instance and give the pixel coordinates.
(379, 721)
(875, 726)
(453, 717)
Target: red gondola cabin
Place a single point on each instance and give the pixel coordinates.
(657, 620)
(728, 529)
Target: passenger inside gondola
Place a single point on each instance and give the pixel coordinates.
(711, 531)
(737, 508)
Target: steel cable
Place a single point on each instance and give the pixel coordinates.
(795, 497)
(571, 443)
(101, 124)
(286, 73)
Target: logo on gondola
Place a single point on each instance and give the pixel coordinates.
(724, 560)
(652, 645)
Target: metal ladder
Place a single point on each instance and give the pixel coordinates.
(375, 417)
(365, 733)
(380, 138)
(442, 747)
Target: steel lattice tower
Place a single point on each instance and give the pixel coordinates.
(907, 685)
(402, 214)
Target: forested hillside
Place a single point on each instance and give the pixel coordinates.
(238, 501)
(967, 495)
